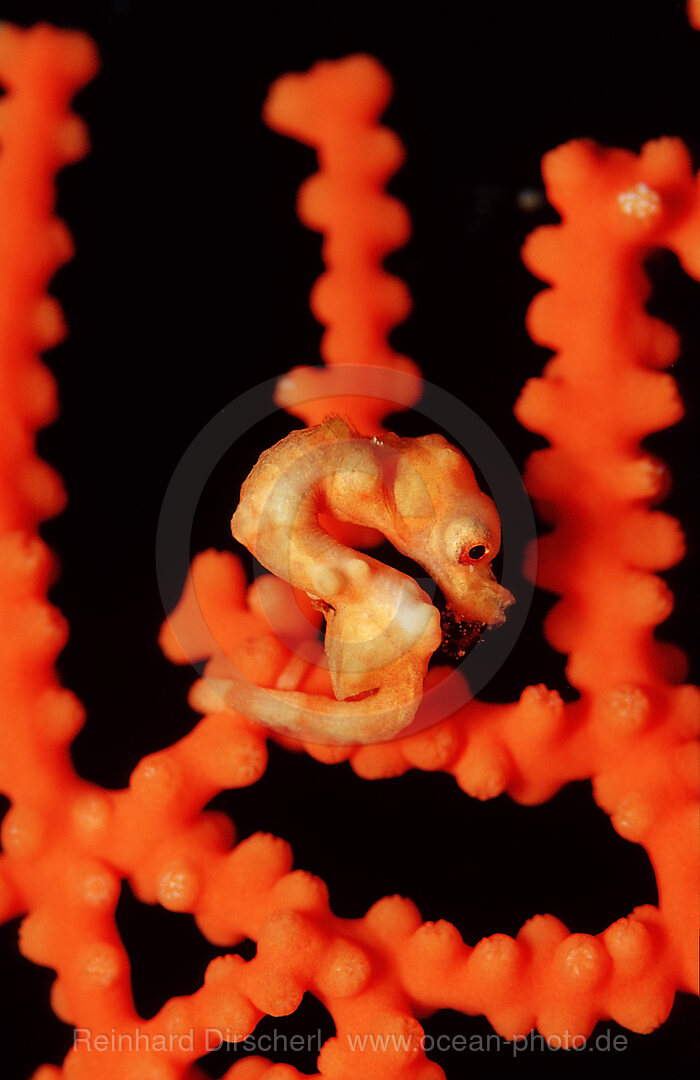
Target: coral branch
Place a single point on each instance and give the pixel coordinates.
(42, 68)
(334, 108)
(597, 485)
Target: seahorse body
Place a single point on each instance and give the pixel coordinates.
(381, 628)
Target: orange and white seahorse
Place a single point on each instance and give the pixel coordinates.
(381, 627)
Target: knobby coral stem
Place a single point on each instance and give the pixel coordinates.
(601, 394)
(42, 69)
(335, 107)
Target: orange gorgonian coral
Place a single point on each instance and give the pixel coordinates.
(68, 843)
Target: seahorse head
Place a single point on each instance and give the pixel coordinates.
(448, 525)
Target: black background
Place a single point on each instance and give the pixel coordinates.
(190, 285)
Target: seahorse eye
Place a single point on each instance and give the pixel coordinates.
(473, 554)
